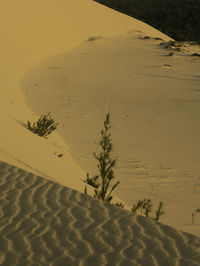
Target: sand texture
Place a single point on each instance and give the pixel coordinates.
(44, 223)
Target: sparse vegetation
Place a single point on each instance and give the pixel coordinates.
(145, 207)
(44, 126)
(102, 181)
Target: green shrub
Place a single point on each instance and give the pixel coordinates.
(44, 126)
(102, 181)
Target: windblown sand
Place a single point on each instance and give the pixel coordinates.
(44, 223)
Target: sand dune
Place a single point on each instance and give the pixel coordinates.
(44, 223)
(79, 60)
(30, 33)
(153, 101)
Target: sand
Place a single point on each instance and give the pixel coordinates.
(81, 60)
(44, 223)
(153, 100)
(30, 33)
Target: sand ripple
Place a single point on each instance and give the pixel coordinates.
(44, 223)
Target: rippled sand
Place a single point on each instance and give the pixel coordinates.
(44, 223)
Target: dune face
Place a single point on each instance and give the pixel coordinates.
(153, 101)
(31, 32)
(44, 223)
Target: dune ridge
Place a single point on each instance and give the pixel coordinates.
(45, 223)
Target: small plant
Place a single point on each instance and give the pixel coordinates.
(193, 214)
(44, 126)
(145, 207)
(159, 211)
(138, 206)
(101, 182)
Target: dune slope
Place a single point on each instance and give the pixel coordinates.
(44, 223)
(31, 32)
(154, 104)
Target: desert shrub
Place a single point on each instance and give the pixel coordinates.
(145, 207)
(102, 181)
(44, 126)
